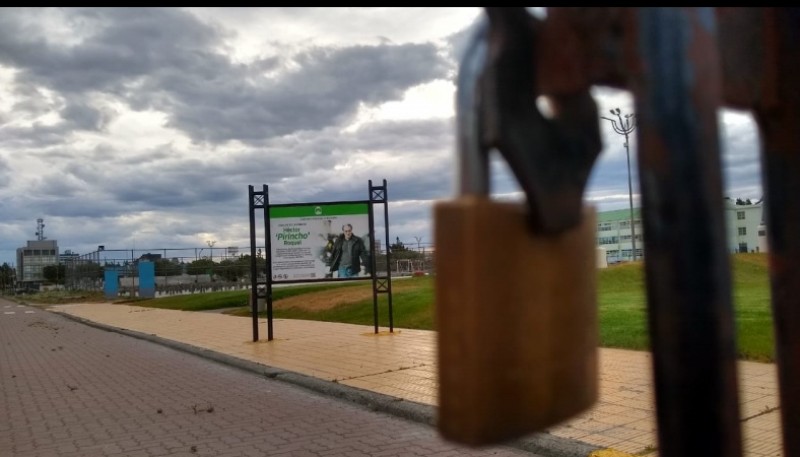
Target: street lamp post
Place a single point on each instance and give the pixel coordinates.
(624, 127)
(211, 244)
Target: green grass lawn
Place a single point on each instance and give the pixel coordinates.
(621, 305)
(623, 311)
(751, 297)
(233, 299)
(411, 308)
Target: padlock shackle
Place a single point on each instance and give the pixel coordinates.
(496, 109)
(473, 159)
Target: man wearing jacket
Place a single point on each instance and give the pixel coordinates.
(349, 254)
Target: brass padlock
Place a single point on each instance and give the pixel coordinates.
(516, 319)
(516, 312)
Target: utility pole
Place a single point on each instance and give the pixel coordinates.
(624, 127)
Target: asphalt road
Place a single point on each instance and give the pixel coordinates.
(70, 389)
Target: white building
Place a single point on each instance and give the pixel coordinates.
(744, 226)
(32, 259)
(614, 234)
(68, 256)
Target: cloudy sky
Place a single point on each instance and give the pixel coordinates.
(143, 128)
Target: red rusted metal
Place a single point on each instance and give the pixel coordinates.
(682, 65)
(761, 72)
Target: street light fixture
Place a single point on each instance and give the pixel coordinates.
(211, 244)
(624, 127)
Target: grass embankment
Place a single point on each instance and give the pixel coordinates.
(753, 310)
(621, 305)
(623, 311)
(412, 307)
(235, 298)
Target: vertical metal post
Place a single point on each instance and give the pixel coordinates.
(624, 128)
(780, 159)
(687, 266)
(253, 268)
(378, 194)
(630, 199)
(133, 270)
(374, 262)
(781, 169)
(388, 264)
(268, 261)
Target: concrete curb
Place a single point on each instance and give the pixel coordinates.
(543, 444)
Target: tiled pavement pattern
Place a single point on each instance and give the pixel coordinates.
(403, 364)
(73, 390)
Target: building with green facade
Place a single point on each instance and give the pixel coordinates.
(614, 234)
(744, 227)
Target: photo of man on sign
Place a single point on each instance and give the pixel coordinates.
(349, 255)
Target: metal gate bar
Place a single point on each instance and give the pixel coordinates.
(690, 311)
(682, 65)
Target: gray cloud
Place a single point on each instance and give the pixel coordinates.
(164, 59)
(88, 86)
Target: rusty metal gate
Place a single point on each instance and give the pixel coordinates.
(682, 65)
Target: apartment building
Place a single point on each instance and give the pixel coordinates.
(744, 226)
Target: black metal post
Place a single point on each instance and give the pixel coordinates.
(253, 268)
(388, 260)
(374, 262)
(378, 194)
(268, 261)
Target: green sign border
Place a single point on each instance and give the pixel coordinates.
(319, 210)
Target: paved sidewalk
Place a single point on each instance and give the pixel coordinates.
(402, 364)
(68, 389)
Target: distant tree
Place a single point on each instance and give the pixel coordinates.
(54, 274)
(748, 202)
(397, 246)
(89, 270)
(234, 269)
(6, 277)
(200, 266)
(166, 267)
(739, 201)
(399, 251)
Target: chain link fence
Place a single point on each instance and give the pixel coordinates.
(197, 270)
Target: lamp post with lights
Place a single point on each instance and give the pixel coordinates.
(624, 127)
(211, 244)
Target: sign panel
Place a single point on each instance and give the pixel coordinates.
(320, 241)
